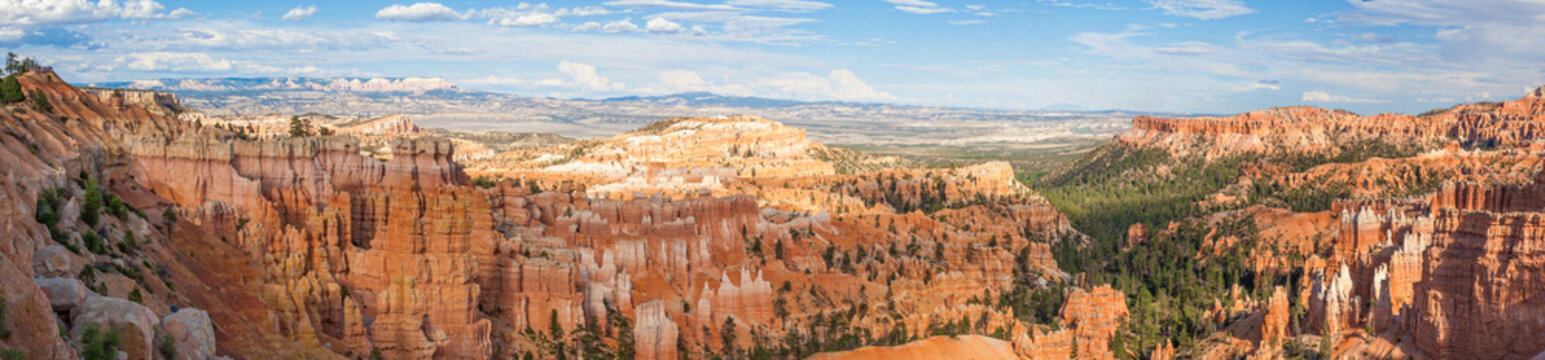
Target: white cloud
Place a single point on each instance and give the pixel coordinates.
(533, 19)
(1259, 85)
(300, 12)
(179, 13)
(840, 84)
(187, 61)
(587, 26)
(619, 26)
(981, 10)
(736, 26)
(585, 76)
(919, 7)
(966, 22)
(846, 85)
(583, 11)
(663, 26)
(1321, 96)
(30, 13)
(666, 4)
(676, 81)
(1202, 9)
(783, 5)
(424, 11)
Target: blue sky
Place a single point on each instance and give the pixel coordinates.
(1202, 56)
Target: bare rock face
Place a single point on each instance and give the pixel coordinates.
(65, 294)
(1310, 130)
(1332, 306)
(654, 334)
(191, 332)
(1478, 290)
(1094, 317)
(1274, 325)
(305, 248)
(134, 323)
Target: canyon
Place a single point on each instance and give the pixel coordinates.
(194, 236)
(318, 247)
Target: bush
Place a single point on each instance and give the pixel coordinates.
(116, 207)
(40, 102)
(91, 210)
(484, 182)
(168, 347)
(5, 331)
(136, 296)
(12, 354)
(99, 344)
(10, 90)
(94, 242)
(48, 206)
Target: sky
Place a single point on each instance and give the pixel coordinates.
(1195, 56)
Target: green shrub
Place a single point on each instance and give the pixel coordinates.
(12, 354)
(5, 327)
(10, 90)
(48, 205)
(168, 347)
(99, 344)
(94, 242)
(40, 102)
(91, 210)
(116, 207)
(136, 296)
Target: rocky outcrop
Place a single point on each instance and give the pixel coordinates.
(1094, 317)
(191, 333)
(939, 347)
(158, 102)
(134, 324)
(1478, 290)
(654, 333)
(1274, 326)
(1309, 130)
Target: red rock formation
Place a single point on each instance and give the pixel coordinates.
(1094, 317)
(1478, 291)
(1274, 325)
(1308, 130)
(654, 334)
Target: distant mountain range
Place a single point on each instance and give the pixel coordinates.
(712, 99)
(437, 103)
(233, 84)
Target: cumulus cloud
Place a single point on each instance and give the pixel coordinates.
(1321, 96)
(585, 76)
(846, 85)
(300, 12)
(676, 81)
(534, 19)
(583, 11)
(419, 12)
(619, 26)
(840, 84)
(1202, 9)
(165, 60)
(663, 26)
(587, 26)
(16, 15)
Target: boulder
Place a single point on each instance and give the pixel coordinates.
(135, 324)
(191, 332)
